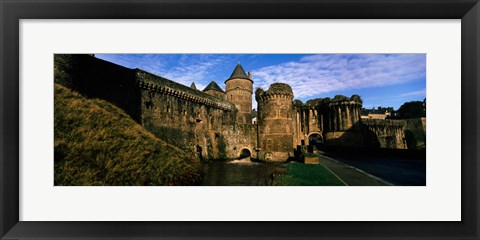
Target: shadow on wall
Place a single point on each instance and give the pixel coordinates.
(411, 140)
(364, 138)
(96, 78)
(370, 137)
(381, 135)
(395, 134)
(343, 146)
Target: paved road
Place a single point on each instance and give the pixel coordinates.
(399, 171)
(350, 175)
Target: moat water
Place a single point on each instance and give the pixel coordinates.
(398, 170)
(242, 172)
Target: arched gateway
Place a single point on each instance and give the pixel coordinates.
(315, 139)
(245, 153)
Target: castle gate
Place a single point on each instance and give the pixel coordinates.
(315, 139)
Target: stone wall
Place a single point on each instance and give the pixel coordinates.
(343, 118)
(200, 124)
(385, 133)
(239, 91)
(415, 133)
(307, 121)
(187, 118)
(216, 93)
(217, 125)
(96, 78)
(240, 137)
(344, 115)
(398, 134)
(275, 118)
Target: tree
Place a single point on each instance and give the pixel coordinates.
(413, 109)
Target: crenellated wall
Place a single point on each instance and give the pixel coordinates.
(345, 115)
(199, 123)
(333, 122)
(275, 118)
(343, 118)
(188, 118)
(217, 125)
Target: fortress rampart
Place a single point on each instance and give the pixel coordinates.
(213, 124)
(398, 134)
(95, 78)
(275, 110)
(191, 119)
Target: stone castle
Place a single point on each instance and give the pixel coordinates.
(219, 124)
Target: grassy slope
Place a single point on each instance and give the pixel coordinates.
(309, 175)
(97, 143)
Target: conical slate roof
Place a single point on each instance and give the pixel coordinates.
(238, 72)
(193, 86)
(213, 86)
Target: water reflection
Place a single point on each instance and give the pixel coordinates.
(241, 172)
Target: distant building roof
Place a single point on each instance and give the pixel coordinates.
(193, 86)
(379, 110)
(377, 116)
(238, 72)
(213, 86)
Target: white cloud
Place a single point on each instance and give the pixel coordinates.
(194, 68)
(420, 93)
(317, 74)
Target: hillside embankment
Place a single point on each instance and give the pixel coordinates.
(96, 143)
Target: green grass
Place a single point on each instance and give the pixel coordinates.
(96, 143)
(299, 174)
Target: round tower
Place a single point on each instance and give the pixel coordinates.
(275, 114)
(345, 113)
(239, 90)
(342, 123)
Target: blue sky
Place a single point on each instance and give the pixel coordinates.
(386, 80)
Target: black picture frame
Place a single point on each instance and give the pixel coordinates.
(11, 11)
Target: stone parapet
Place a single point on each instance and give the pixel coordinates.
(273, 96)
(345, 103)
(161, 85)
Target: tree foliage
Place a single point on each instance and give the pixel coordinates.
(415, 109)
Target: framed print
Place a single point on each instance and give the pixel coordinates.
(338, 139)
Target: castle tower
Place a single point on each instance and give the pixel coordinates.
(214, 90)
(342, 121)
(275, 117)
(345, 113)
(239, 90)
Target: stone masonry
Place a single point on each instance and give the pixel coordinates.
(216, 124)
